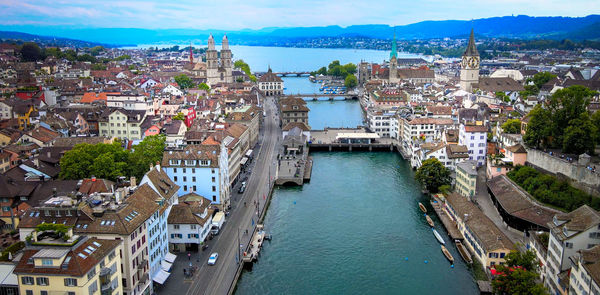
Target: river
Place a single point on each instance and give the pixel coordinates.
(355, 228)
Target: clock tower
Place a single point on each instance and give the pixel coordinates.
(469, 66)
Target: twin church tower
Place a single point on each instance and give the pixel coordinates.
(218, 71)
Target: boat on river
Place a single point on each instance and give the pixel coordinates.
(438, 236)
(422, 207)
(464, 253)
(447, 254)
(429, 220)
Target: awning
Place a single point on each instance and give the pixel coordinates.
(165, 265)
(161, 276)
(249, 153)
(170, 257)
(243, 161)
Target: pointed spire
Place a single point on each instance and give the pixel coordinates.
(211, 42)
(471, 48)
(191, 54)
(394, 52)
(225, 43)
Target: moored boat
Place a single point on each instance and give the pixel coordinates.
(447, 254)
(429, 220)
(464, 253)
(422, 207)
(438, 236)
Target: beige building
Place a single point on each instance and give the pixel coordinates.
(481, 236)
(92, 267)
(121, 123)
(466, 178)
(293, 109)
(250, 117)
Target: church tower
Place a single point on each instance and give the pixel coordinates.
(469, 66)
(212, 62)
(226, 61)
(393, 66)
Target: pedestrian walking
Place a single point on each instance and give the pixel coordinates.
(189, 256)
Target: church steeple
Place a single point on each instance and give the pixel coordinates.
(471, 48)
(211, 42)
(394, 52)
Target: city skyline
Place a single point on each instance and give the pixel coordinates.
(237, 15)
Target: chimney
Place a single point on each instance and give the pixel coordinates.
(49, 154)
(93, 178)
(132, 181)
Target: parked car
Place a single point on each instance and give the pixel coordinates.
(212, 260)
(242, 188)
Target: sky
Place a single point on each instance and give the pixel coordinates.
(256, 14)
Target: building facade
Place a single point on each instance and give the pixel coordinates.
(469, 66)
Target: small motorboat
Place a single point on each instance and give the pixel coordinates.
(422, 207)
(429, 220)
(464, 253)
(438, 236)
(447, 254)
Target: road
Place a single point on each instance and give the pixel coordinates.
(217, 279)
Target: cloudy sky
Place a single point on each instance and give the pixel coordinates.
(240, 14)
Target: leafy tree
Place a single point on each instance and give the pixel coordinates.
(30, 51)
(184, 81)
(502, 96)
(350, 81)
(148, 151)
(568, 104)
(539, 127)
(179, 117)
(53, 51)
(350, 68)
(122, 57)
(98, 67)
(580, 136)
(333, 64)
(541, 78)
(322, 71)
(86, 57)
(239, 80)
(241, 64)
(519, 275)
(96, 50)
(432, 175)
(204, 86)
(512, 126)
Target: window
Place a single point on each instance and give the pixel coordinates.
(42, 281)
(214, 198)
(70, 293)
(569, 245)
(185, 188)
(213, 179)
(27, 280)
(93, 288)
(176, 226)
(29, 292)
(69, 282)
(47, 262)
(43, 292)
(193, 170)
(194, 188)
(214, 188)
(91, 274)
(193, 178)
(174, 170)
(193, 226)
(174, 178)
(183, 170)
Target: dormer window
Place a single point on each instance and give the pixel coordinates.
(555, 220)
(190, 162)
(174, 162)
(565, 231)
(204, 162)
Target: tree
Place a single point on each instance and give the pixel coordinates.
(580, 136)
(539, 127)
(432, 175)
(350, 68)
(30, 51)
(101, 160)
(501, 95)
(519, 275)
(184, 81)
(333, 64)
(147, 152)
(322, 71)
(512, 126)
(350, 81)
(179, 117)
(541, 78)
(204, 86)
(96, 50)
(98, 67)
(567, 104)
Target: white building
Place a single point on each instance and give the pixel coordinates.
(130, 102)
(474, 137)
(189, 222)
(270, 84)
(569, 233)
(201, 169)
(585, 273)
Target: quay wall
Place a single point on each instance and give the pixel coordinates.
(577, 175)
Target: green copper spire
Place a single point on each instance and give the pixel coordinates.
(394, 52)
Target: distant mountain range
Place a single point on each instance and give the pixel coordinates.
(520, 27)
(47, 40)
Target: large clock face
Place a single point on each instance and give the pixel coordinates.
(464, 62)
(473, 62)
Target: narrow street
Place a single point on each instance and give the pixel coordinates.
(217, 279)
(483, 200)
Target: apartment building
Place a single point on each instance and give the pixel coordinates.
(121, 123)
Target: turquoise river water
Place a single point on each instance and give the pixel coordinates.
(355, 228)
